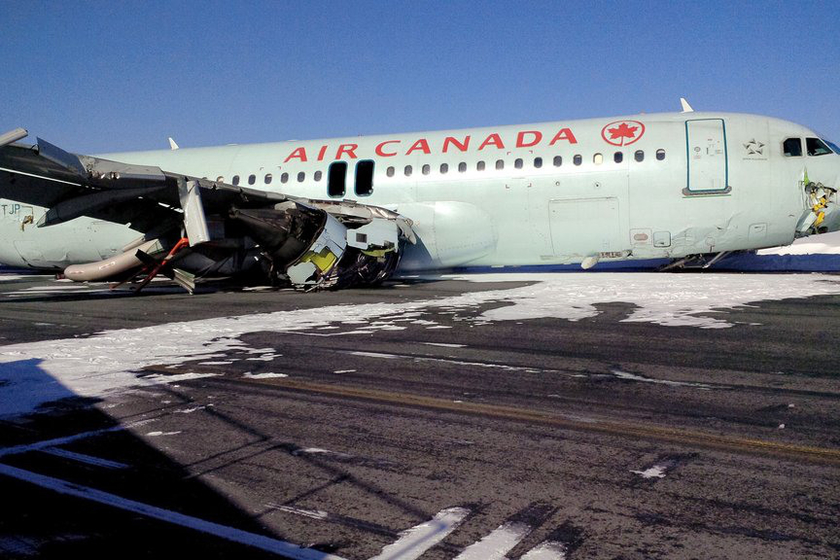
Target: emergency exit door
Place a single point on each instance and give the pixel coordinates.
(708, 167)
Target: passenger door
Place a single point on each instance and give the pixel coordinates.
(707, 158)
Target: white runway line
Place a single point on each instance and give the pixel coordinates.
(88, 459)
(416, 541)
(232, 534)
(546, 551)
(498, 543)
(42, 445)
(310, 513)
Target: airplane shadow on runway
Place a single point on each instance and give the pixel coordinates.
(75, 482)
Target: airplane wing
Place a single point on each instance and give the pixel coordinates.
(308, 243)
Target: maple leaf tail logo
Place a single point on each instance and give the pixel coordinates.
(623, 133)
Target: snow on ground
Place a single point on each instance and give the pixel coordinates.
(823, 244)
(35, 373)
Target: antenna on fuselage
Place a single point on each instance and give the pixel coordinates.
(172, 144)
(686, 108)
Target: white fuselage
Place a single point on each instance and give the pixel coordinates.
(547, 193)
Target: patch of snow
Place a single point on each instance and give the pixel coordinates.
(633, 377)
(13, 277)
(375, 355)
(656, 471)
(319, 451)
(267, 375)
(822, 244)
(193, 409)
(664, 299)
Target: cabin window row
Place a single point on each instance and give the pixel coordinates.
(269, 178)
(364, 168)
(519, 163)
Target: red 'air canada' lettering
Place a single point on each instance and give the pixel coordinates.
(379, 148)
(422, 145)
(391, 148)
(520, 138)
(349, 149)
(460, 145)
(564, 134)
(492, 140)
(299, 153)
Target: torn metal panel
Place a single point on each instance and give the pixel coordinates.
(822, 209)
(195, 222)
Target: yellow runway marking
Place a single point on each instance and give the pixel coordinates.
(659, 433)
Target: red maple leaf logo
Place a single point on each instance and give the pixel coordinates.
(622, 131)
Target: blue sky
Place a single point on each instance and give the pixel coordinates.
(109, 76)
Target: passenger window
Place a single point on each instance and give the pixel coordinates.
(558, 161)
(660, 154)
(816, 147)
(336, 178)
(252, 179)
(500, 164)
(268, 178)
(284, 178)
(618, 157)
(792, 147)
(598, 159)
(301, 177)
(390, 171)
(364, 177)
(517, 163)
(639, 155)
(538, 162)
(235, 180)
(578, 159)
(408, 171)
(426, 169)
(318, 175)
(444, 168)
(462, 167)
(479, 166)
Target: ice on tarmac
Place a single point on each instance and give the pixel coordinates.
(35, 373)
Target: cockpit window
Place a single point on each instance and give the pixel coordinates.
(816, 147)
(793, 147)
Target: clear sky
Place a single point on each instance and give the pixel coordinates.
(110, 76)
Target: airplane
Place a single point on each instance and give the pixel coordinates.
(690, 187)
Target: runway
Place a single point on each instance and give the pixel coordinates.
(533, 417)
